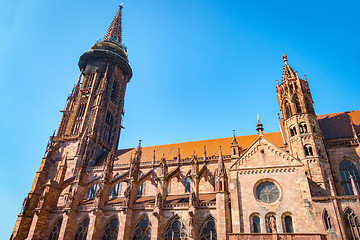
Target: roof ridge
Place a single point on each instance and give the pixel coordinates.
(204, 140)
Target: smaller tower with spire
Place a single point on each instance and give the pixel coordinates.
(300, 127)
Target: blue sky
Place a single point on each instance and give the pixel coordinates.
(201, 68)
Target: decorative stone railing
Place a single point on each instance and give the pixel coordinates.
(342, 142)
(207, 205)
(278, 236)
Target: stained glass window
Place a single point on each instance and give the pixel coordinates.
(176, 231)
(208, 231)
(116, 190)
(267, 192)
(142, 230)
(92, 191)
(347, 168)
(54, 235)
(352, 224)
(187, 185)
(141, 190)
(81, 233)
(111, 230)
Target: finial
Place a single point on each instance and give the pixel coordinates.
(277, 82)
(139, 143)
(121, 5)
(233, 132)
(305, 77)
(259, 126)
(284, 58)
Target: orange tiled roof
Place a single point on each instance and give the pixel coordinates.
(338, 125)
(187, 149)
(334, 125)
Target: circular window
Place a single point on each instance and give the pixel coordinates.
(267, 192)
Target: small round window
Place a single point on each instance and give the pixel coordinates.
(267, 192)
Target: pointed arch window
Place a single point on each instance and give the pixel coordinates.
(116, 190)
(142, 230)
(141, 190)
(81, 233)
(92, 191)
(297, 105)
(54, 235)
(113, 91)
(187, 185)
(352, 224)
(208, 230)
(111, 229)
(327, 220)
(288, 112)
(255, 223)
(347, 169)
(176, 230)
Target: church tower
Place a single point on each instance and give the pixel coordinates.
(300, 127)
(90, 127)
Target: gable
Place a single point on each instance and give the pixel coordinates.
(264, 154)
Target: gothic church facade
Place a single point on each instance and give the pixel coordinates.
(300, 183)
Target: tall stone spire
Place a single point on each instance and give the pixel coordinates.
(115, 31)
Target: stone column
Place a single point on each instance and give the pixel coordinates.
(223, 215)
(125, 225)
(94, 230)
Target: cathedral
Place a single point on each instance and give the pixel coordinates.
(299, 183)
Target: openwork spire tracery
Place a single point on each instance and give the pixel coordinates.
(115, 31)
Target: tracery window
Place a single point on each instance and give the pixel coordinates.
(108, 126)
(327, 220)
(288, 224)
(208, 231)
(255, 224)
(267, 192)
(111, 229)
(347, 169)
(81, 233)
(116, 190)
(79, 118)
(92, 191)
(308, 150)
(176, 230)
(287, 110)
(142, 230)
(187, 185)
(54, 235)
(352, 224)
(113, 91)
(297, 105)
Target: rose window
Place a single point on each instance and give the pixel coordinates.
(267, 192)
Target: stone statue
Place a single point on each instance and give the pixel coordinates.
(192, 199)
(158, 200)
(272, 224)
(191, 224)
